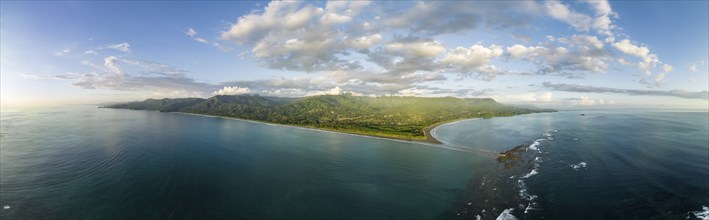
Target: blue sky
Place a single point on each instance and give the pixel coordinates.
(546, 53)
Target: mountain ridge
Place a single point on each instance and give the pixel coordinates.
(407, 118)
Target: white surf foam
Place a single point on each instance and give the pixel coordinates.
(579, 165)
(505, 215)
(523, 191)
(529, 207)
(702, 214)
(535, 144)
(531, 173)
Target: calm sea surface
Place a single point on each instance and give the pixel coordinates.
(91, 163)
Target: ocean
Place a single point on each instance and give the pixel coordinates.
(91, 163)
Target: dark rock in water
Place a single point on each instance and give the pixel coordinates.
(583, 114)
(509, 157)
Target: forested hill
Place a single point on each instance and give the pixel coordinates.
(388, 116)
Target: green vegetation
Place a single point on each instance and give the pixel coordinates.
(390, 117)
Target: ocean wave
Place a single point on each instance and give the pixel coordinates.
(523, 191)
(702, 214)
(531, 173)
(506, 215)
(536, 143)
(530, 206)
(579, 165)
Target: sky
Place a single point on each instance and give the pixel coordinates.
(559, 54)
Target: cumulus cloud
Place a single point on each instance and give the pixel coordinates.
(334, 91)
(559, 11)
(123, 47)
(423, 49)
(228, 90)
(601, 21)
(475, 59)
(693, 68)
(387, 43)
(571, 58)
(628, 47)
(592, 89)
(647, 64)
(385, 48)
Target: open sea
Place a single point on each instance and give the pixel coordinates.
(93, 163)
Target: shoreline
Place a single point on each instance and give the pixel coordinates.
(429, 141)
(430, 131)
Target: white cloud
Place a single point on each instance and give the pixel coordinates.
(693, 68)
(63, 52)
(201, 40)
(627, 47)
(601, 21)
(228, 90)
(559, 11)
(648, 63)
(423, 49)
(191, 32)
(334, 91)
(475, 59)
(123, 74)
(585, 54)
(382, 48)
(91, 52)
(586, 101)
(365, 42)
(527, 98)
(333, 18)
(667, 68)
(519, 51)
(278, 15)
(586, 40)
(390, 42)
(474, 56)
(111, 63)
(412, 92)
(123, 47)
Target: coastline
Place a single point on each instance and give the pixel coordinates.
(429, 141)
(430, 131)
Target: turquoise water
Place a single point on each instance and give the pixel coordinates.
(90, 163)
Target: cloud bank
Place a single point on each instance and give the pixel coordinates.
(592, 89)
(398, 48)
